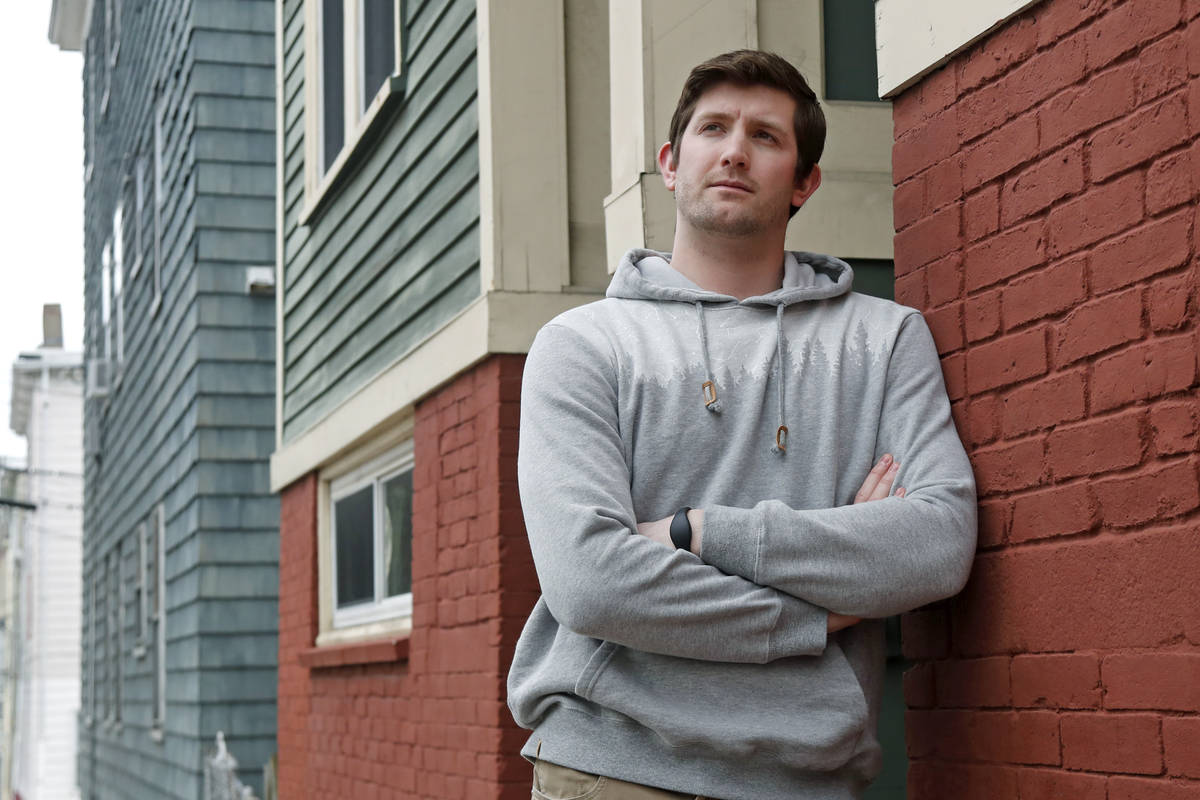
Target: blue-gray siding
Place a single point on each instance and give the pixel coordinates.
(393, 254)
(191, 423)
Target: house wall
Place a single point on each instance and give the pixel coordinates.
(1047, 226)
(393, 254)
(424, 716)
(190, 424)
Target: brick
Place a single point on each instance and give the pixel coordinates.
(910, 289)
(1095, 215)
(908, 202)
(1055, 20)
(1052, 784)
(961, 781)
(981, 316)
(1057, 680)
(918, 686)
(924, 634)
(1002, 256)
(993, 522)
(1098, 326)
(1181, 746)
(1153, 248)
(936, 91)
(1162, 681)
(1012, 44)
(947, 327)
(1192, 44)
(1171, 180)
(1009, 359)
(1142, 136)
(926, 144)
(1144, 371)
(1105, 97)
(1007, 147)
(943, 183)
(1112, 743)
(1140, 590)
(1039, 186)
(945, 279)
(1152, 494)
(1045, 293)
(1057, 511)
(1176, 427)
(1128, 26)
(983, 420)
(1193, 103)
(1045, 403)
(1013, 737)
(981, 213)
(929, 239)
(1008, 467)
(1170, 302)
(1125, 788)
(974, 683)
(1162, 67)
(954, 372)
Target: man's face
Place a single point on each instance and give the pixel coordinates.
(737, 163)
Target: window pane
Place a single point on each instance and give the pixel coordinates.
(379, 46)
(333, 88)
(850, 64)
(353, 525)
(397, 534)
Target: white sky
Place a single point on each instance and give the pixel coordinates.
(41, 208)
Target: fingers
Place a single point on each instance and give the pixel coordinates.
(901, 492)
(872, 480)
(884, 487)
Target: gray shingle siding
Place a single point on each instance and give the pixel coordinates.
(192, 422)
(393, 253)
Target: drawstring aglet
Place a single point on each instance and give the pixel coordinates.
(711, 402)
(780, 440)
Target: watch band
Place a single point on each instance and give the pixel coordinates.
(681, 530)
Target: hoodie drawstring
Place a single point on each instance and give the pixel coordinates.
(709, 387)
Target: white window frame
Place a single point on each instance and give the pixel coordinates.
(115, 639)
(160, 112)
(357, 118)
(159, 616)
(112, 47)
(116, 254)
(106, 292)
(141, 166)
(143, 602)
(374, 474)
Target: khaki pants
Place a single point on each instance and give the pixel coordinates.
(554, 782)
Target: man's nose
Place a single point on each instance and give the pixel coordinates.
(735, 153)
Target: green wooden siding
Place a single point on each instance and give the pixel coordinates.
(191, 423)
(393, 254)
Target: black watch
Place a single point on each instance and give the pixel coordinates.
(681, 530)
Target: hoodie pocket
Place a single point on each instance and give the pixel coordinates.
(809, 712)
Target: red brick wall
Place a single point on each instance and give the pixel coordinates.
(435, 725)
(1047, 225)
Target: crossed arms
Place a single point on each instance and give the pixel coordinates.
(770, 575)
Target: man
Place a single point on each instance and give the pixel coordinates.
(692, 462)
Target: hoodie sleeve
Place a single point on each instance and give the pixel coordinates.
(879, 558)
(599, 577)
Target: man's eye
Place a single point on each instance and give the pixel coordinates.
(710, 126)
(764, 135)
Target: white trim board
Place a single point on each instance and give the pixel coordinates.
(914, 37)
(497, 322)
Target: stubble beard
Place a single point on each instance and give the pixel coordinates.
(702, 213)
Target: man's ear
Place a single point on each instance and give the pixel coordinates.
(806, 187)
(666, 165)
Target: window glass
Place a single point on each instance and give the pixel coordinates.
(850, 61)
(354, 547)
(333, 90)
(379, 46)
(397, 534)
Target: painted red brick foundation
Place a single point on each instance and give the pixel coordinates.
(1047, 225)
(428, 720)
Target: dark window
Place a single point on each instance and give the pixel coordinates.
(333, 84)
(379, 46)
(851, 72)
(354, 518)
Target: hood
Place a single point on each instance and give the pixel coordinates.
(648, 275)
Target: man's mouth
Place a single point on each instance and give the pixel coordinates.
(731, 184)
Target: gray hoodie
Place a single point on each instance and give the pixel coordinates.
(714, 675)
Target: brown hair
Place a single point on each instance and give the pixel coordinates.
(756, 68)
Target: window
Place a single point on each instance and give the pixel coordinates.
(357, 49)
(117, 265)
(112, 47)
(851, 71)
(114, 641)
(139, 208)
(371, 540)
(141, 602)
(160, 112)
(106, 278)
(158, 620)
